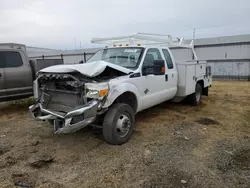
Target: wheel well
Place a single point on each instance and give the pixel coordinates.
(204, 90)
(128, 98)
(201, 82)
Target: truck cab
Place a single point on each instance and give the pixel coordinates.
(132, 74)
(15, 72)
(153, 87)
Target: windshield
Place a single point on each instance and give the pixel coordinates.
(125, 57)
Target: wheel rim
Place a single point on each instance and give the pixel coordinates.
(198, 94)
(123, 125)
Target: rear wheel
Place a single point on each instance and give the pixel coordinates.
(118, 124)
(195, 98)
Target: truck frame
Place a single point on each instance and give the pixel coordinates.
(132, 73)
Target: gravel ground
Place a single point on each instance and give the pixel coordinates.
(174, 145)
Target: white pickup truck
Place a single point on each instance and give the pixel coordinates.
(134, 73)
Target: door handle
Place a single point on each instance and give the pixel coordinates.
(166, 77)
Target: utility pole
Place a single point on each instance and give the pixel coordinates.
(194, 34)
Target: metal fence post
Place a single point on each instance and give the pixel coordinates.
(62, 56)
(84, 57)
(249, 71)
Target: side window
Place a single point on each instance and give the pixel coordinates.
(10, 59)
(13, 59)
(151, 55)
(168, 59)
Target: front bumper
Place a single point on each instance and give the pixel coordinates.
(70, 122)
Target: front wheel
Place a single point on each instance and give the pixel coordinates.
(118, 124)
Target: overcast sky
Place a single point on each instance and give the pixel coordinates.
(59, 23)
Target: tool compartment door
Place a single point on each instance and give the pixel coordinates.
(186, 79)
(200, 69)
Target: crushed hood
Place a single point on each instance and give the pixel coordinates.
(91, 69)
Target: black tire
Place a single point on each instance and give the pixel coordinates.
(195, 98)
(118, 114)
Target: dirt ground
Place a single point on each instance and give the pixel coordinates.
(175, 145)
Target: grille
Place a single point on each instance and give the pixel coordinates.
(61, 101)
(61, 92)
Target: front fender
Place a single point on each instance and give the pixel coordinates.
(120, 89)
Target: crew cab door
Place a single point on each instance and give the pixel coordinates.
(154, 88)
(17, 73)
(171, 71)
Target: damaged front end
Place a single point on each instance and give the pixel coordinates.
(69, 100)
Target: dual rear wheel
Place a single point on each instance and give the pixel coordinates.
(195, 98)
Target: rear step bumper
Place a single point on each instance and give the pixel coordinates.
(67, 123)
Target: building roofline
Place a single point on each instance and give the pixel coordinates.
(233, 39)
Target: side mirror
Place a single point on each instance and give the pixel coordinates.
(159, 67)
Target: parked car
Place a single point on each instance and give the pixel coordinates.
(17, 72)
(116, 83)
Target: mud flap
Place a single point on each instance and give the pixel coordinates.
(205, 91)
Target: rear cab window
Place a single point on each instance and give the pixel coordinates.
(168, 59)
(9, 59)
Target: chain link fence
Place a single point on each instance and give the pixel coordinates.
(220, 70)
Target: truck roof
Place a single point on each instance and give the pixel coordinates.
(12, 46)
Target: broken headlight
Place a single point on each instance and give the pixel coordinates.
(35, 89)
(97, 90)
(92, 94)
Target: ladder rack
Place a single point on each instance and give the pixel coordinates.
(144, 39)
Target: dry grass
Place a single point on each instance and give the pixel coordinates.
(15, 108)
(172, 143)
